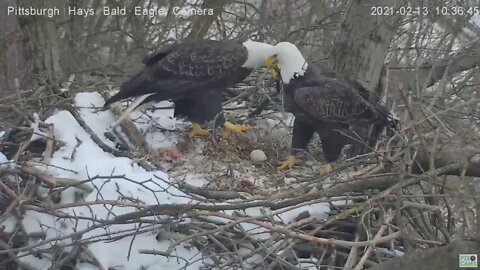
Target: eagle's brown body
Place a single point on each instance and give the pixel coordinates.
(192, 75)
(334, 106)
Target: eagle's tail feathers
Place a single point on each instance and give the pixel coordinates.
(138, 103)
(136, 86)
(389, 118)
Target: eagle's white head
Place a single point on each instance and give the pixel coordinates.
(257, 52)
(287, 58)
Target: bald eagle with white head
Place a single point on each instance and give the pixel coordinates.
(323, 102)
(193, 75)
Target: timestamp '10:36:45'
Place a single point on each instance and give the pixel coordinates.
(439, 10)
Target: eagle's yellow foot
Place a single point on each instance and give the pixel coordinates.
(228, 128)
(197, 130)
(326, 169)
(289, 163)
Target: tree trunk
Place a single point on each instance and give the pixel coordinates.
(201, 24)
(363, 41)
(11, 62)
(41, 44)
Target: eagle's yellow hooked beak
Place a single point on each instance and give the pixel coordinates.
(272, 64)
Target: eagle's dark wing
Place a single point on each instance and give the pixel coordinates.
(154, 57)
(324, 71)
(205, 59)
(331, 100)
(336, 107)
(341, 113)
(172, 71)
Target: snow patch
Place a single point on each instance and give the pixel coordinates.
(3, 158)
(196, 180)
(85, 160)
(318, 210)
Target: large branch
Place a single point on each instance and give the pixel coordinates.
(433, 71)
(456, 149)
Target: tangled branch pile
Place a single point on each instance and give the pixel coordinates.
(68, 196)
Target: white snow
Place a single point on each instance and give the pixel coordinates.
(143, 261)
(82, 155)
(95, 119)
(318, 210)
(196, 180)
(308, 264)
(395, 253)
(9, 225)
(119, 180)
(161, 129)
(37, 132)
(3, 158)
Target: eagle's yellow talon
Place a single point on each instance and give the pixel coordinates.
(197, 130)
(326, 169)
(289, 163)
(229, 128)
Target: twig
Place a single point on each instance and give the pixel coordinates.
(423, 142)
(209, 194)
(101, 144)
(47, 154)
(74, 151)
(161, 253)
(421, 206)
(16, 83)
(97, 263)
(129, 128)
(97, 202)
(352, 255)
(13, 205)
(302, 236)
(53, 181)
(363, 259)
(14, 257)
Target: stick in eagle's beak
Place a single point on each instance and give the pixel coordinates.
(272, 64)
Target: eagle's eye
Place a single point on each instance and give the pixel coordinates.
(275, 58)
(296, 75)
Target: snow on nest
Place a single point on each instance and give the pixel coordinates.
(37, 133)
(3, 158)
(390, 252)
(196, 180)
(95, 119)
(4, 163)
(84, 159)
(317, 210)
(159, 126)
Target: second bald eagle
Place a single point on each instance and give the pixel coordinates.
(325, 102)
